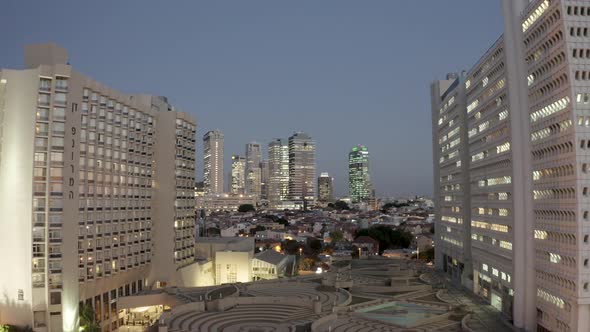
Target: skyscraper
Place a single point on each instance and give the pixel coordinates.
(86, 193)
(238, 174)
(302, 174)
(524, 131)
(264, 179)
(278, 167)
(325, 190)
(213, 160)
(359, 181)
(253, 171)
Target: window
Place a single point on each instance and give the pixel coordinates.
(59, 113)
(60, 98)
(42, 114)
(58, 128)
(61, 83)
(45, 84)
(55, 297)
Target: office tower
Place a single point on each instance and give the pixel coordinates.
(253, 171)
(213, 157)
(278, 168)
(301, 167)
(264, 177)
(238, 174)
(527, 103)
(359, 181)
(325, 190)
(85, 184)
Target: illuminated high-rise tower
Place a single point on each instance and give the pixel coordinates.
(278, 167)
(301, 168)
(325, 188)
(213, 160)
(253, 171)
(238, 174)
(359, 181)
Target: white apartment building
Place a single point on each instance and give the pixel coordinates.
(278, 168)
(90, 180)
(253, 171)
(527, 117)
(213, 161)
(452, 186)
(238, 175)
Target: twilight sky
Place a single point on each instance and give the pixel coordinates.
(346, 72)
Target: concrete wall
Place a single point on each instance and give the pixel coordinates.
(16, 169)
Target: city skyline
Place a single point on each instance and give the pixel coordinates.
(364, 59)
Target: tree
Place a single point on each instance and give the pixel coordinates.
(355, 252)
(341, 205)
(88, 322)
(291, 247)
(336, 236)
(258, 228)
(388, 238)
(282, 221)
(313, 247)
(246, 208)
(213, 231)
(427, 254)
(306, 264)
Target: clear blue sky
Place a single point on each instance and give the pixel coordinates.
(346, 72)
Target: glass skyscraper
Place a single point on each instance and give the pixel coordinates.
(359, 181)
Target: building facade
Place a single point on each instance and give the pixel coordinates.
(224, 202)
(253, 171)
(526, 116)
(82, 223)
(213, 162)
(238, 175)
(325, 188)
(264, 179)
(278, 169)
(302, 175)
(452, 184)
(359, 180)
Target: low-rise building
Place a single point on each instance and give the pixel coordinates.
(270, 264)
(223, 202)
(206, 247)
(368, 244)
(233, 266)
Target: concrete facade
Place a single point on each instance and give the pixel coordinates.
(302, 175)
(81, 181)
(526, 118)
(213, 162)
(278, 169)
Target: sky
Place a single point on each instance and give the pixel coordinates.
(345, 72)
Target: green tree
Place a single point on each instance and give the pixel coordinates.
(336, 236)
(341, 205)
(88, 321)
(388, 238)
(258, 228)
(282, 221)
(291, 247)
(427, 254)
(246, 208)
(314, 246)
(306, 264)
